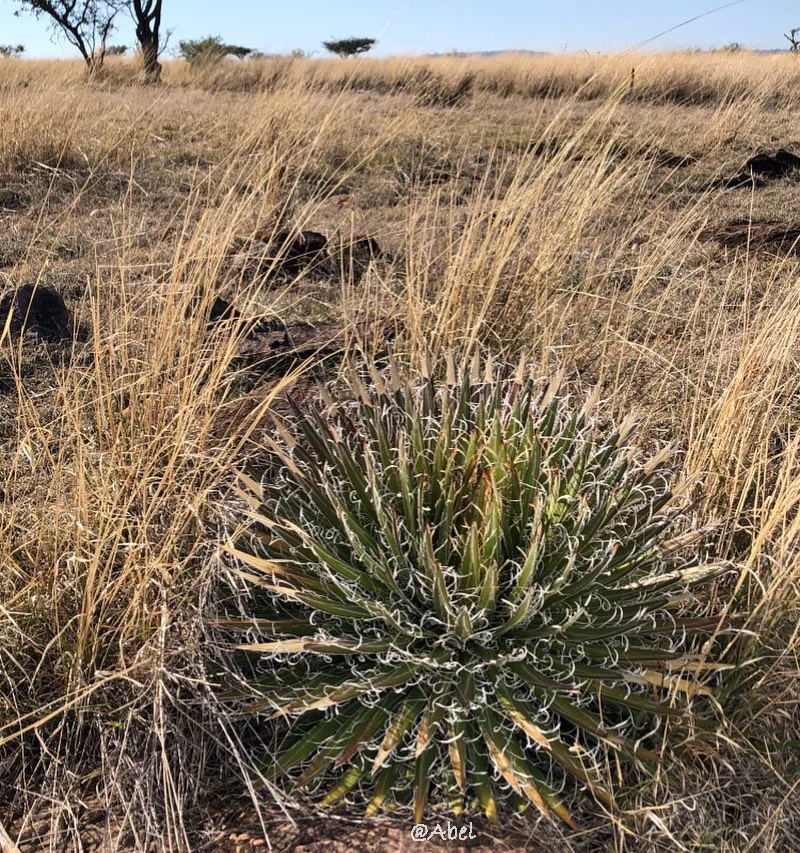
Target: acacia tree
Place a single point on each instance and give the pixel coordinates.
(147, 18)
(86, 24)
(350, 46)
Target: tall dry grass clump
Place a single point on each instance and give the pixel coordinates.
(108, 533)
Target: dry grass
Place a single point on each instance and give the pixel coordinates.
(531, 204)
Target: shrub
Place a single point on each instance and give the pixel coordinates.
(465, 584)
(210, 49)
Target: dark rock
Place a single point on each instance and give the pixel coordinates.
(366, 248)
(776, 165)
(218, 311)
(295, 253)
(284, 253)
(765, 167)
(221, 310)
(36, 310)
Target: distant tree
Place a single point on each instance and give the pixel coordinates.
(794, 41)
(86, 24)
(350, 46)
(237, 51)
(12, 51)
(210, 49)
(116, 50)
(146, 16)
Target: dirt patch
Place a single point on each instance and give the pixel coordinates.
(12, 201)
(238, 834)
(231, 824)
(336, 837)
(282, 348)
(243, 832)
(663, 157)
(779, 238)
(277, 353)
(669, 160)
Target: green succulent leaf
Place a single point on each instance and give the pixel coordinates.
(463, 590)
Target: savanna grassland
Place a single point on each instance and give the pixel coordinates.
(600, 222)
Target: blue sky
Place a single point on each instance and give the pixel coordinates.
(428, 26)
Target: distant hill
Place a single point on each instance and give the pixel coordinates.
(773, 50)
(490, 52)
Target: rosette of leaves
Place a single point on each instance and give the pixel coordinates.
(464, 591)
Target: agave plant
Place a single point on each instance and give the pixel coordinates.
(464, 588)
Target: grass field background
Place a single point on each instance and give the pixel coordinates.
(561, 207)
